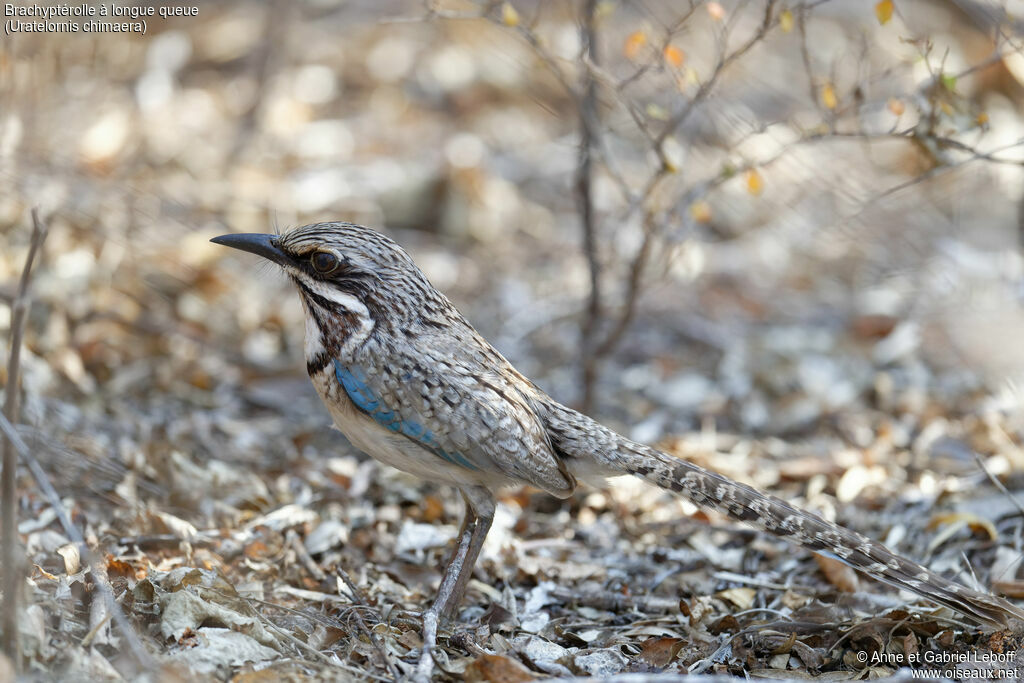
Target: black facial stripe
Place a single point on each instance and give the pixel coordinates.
(320, 301)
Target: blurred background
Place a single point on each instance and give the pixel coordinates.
(781, 239)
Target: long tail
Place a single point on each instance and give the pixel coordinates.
(584, 443)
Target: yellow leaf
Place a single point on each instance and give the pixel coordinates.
(755, 183)
(509, 15)
(634, 43)
(605, 8)
(700, 211)
(786, 21)
(982, 119)
(828, 96)
(674, 56)
(883, 10)
(657, 112)
(716, 11)
(972, 521)
(896, 106)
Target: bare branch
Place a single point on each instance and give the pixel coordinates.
(706, 87)
(15, 446)
(139, 652)
(590, 133)
(8, 490)
(357, 599)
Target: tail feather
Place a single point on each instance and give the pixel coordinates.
(581, 440)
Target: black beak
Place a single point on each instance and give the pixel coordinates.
(256, 243)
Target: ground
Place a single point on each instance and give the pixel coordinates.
(838, 329)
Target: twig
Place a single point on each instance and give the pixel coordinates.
(589, 133)
(298, 644)
(998, 484)
(8, 492)
(374, 640)
(705, 88)
(636, 272)
(139, 652)
(304, 557)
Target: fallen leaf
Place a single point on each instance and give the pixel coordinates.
(660, 652)
(838, 574)
(883, 11)
(828, 96)
(741, 596)
(1011, 589)
(755, 183)
(700, 211)
(971, 520)
(496, 669)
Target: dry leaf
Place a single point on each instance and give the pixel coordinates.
(742, 596)
(660, 652)
(828, 96)
(755, 183)
(910, 645)
(634, 43)
(883, 11)
(674, 56)
(433, 509)
(72, 560)
(46, 574)
(1011, 589)
(698, 609)
(700, 211)
(657, 112)
(838, 574)
(509, 15)
(786, 21)
(960, 519)
(496, 669)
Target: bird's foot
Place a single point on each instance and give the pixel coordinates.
(425, 667)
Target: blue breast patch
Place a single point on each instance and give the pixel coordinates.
(354, 381)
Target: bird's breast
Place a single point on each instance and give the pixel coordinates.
(391, 447)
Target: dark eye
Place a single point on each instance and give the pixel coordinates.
(324, 262)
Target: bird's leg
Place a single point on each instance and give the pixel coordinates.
(475, 525)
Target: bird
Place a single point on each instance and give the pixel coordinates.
(409, 381)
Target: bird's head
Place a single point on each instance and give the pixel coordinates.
(352, 280)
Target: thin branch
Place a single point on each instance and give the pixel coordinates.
(705, 88)
(374, 640)
(634, 283)
(11, 559)
(139, 652)
(15, 446)
(589, 135)
(998, 484)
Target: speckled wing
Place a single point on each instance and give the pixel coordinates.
(466, 413)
